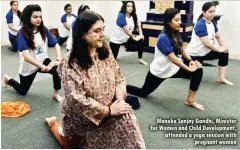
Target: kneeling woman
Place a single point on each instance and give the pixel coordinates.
(167, 62)
(201, 46)
(94, 113)
(33, 42)
(127, 22)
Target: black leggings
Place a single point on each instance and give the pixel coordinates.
(62, 40)
(13, 41)
(26, 81)
(152, 82)
(223, 58)
(130, 44)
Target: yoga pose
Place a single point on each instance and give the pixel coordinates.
(94, 113)
(201, 46)
(14, 25)
(67, 19)
(127, 22)
(167, 61)
(33, 42)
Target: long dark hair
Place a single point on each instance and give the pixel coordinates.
(205, 7)
(82, 8)
(80, 51)
(133, 14)
(27, 27)
(18, 11)
(174, 35)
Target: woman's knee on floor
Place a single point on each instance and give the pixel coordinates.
(23, 91)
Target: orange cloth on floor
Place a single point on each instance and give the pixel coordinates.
(14, 109)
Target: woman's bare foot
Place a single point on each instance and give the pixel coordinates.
(195, 105)
(50, 119)
(6, 79)
(53, 118)
(57, 97)
(141, 61)
(225, 81)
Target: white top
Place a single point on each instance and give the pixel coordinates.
(202, 28)
(69, 40)
(119, 36)
(63, 32)
(161, 66)
(39, 54)
(14, 20)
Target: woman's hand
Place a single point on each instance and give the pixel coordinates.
(120, 107)
(135, 38)
(47, 68)
(193, 67)
(198, 64)
(227, 51)
(44, 68)
(50, 65)
(141, 36)
(223, 49)
(126, 116)
(195, 62)
(192, 62)
(57, 62)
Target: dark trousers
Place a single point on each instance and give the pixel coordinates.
(131, 45)
(222, 58)
(61, 40)
(152, 82)
(13, 41)
(26, 81)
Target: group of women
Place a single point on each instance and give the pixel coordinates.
(94, 112)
